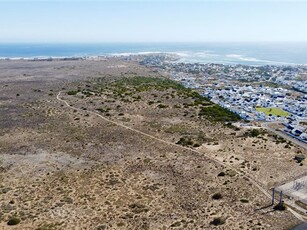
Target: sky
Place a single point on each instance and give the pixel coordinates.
(101, 21)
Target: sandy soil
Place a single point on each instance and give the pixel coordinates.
(66, 168)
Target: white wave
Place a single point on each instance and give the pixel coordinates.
(135, 53)
(180, 54)
(233, 55)
(121, 54)
(205, 54)
(127, 54)
(243, 58)
(251, 59)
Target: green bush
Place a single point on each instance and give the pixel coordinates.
(255, 132)
(281, 207)
(176, 224)
(102, 110)
(13, 221)
(72, 92)
(300, 158)
(146, 83)
(185, 141)
(243, 200)
(217, 221)
(162, 106)
(216, 113)
(217, 196)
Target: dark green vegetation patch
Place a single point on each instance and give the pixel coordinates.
(128, 89)
(72, 92)
(147, 83)
(280, 207)
(253, 133)
(13, 221)
(218, 114)
(217, 221)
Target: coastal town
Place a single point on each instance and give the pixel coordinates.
(256, 93)
(153, 115)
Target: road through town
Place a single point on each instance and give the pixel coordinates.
(266, 125)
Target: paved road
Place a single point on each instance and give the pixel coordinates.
(254, 182)
(284, 135)
(302, 226)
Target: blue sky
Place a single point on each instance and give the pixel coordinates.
(152, 21)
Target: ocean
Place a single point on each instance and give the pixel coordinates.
(256, 54)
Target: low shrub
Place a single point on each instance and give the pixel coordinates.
(13, 221)
(243, 200)
(281, 207)
(185, 141)
(217, 113)
(72, 92)
(217, 221)
(217, 196)
(221, 174)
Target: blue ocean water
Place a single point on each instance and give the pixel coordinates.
(224, 53)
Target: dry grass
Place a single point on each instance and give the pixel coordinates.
(62, 168)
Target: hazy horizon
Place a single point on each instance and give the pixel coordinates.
(152, 21)
(145, 42)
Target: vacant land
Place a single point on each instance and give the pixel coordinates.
(273, 111)
(133, 150)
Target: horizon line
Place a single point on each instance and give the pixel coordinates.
(154, 1)
(138, 42)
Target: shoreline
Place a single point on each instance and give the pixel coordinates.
(234, 53)
(172, 56)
